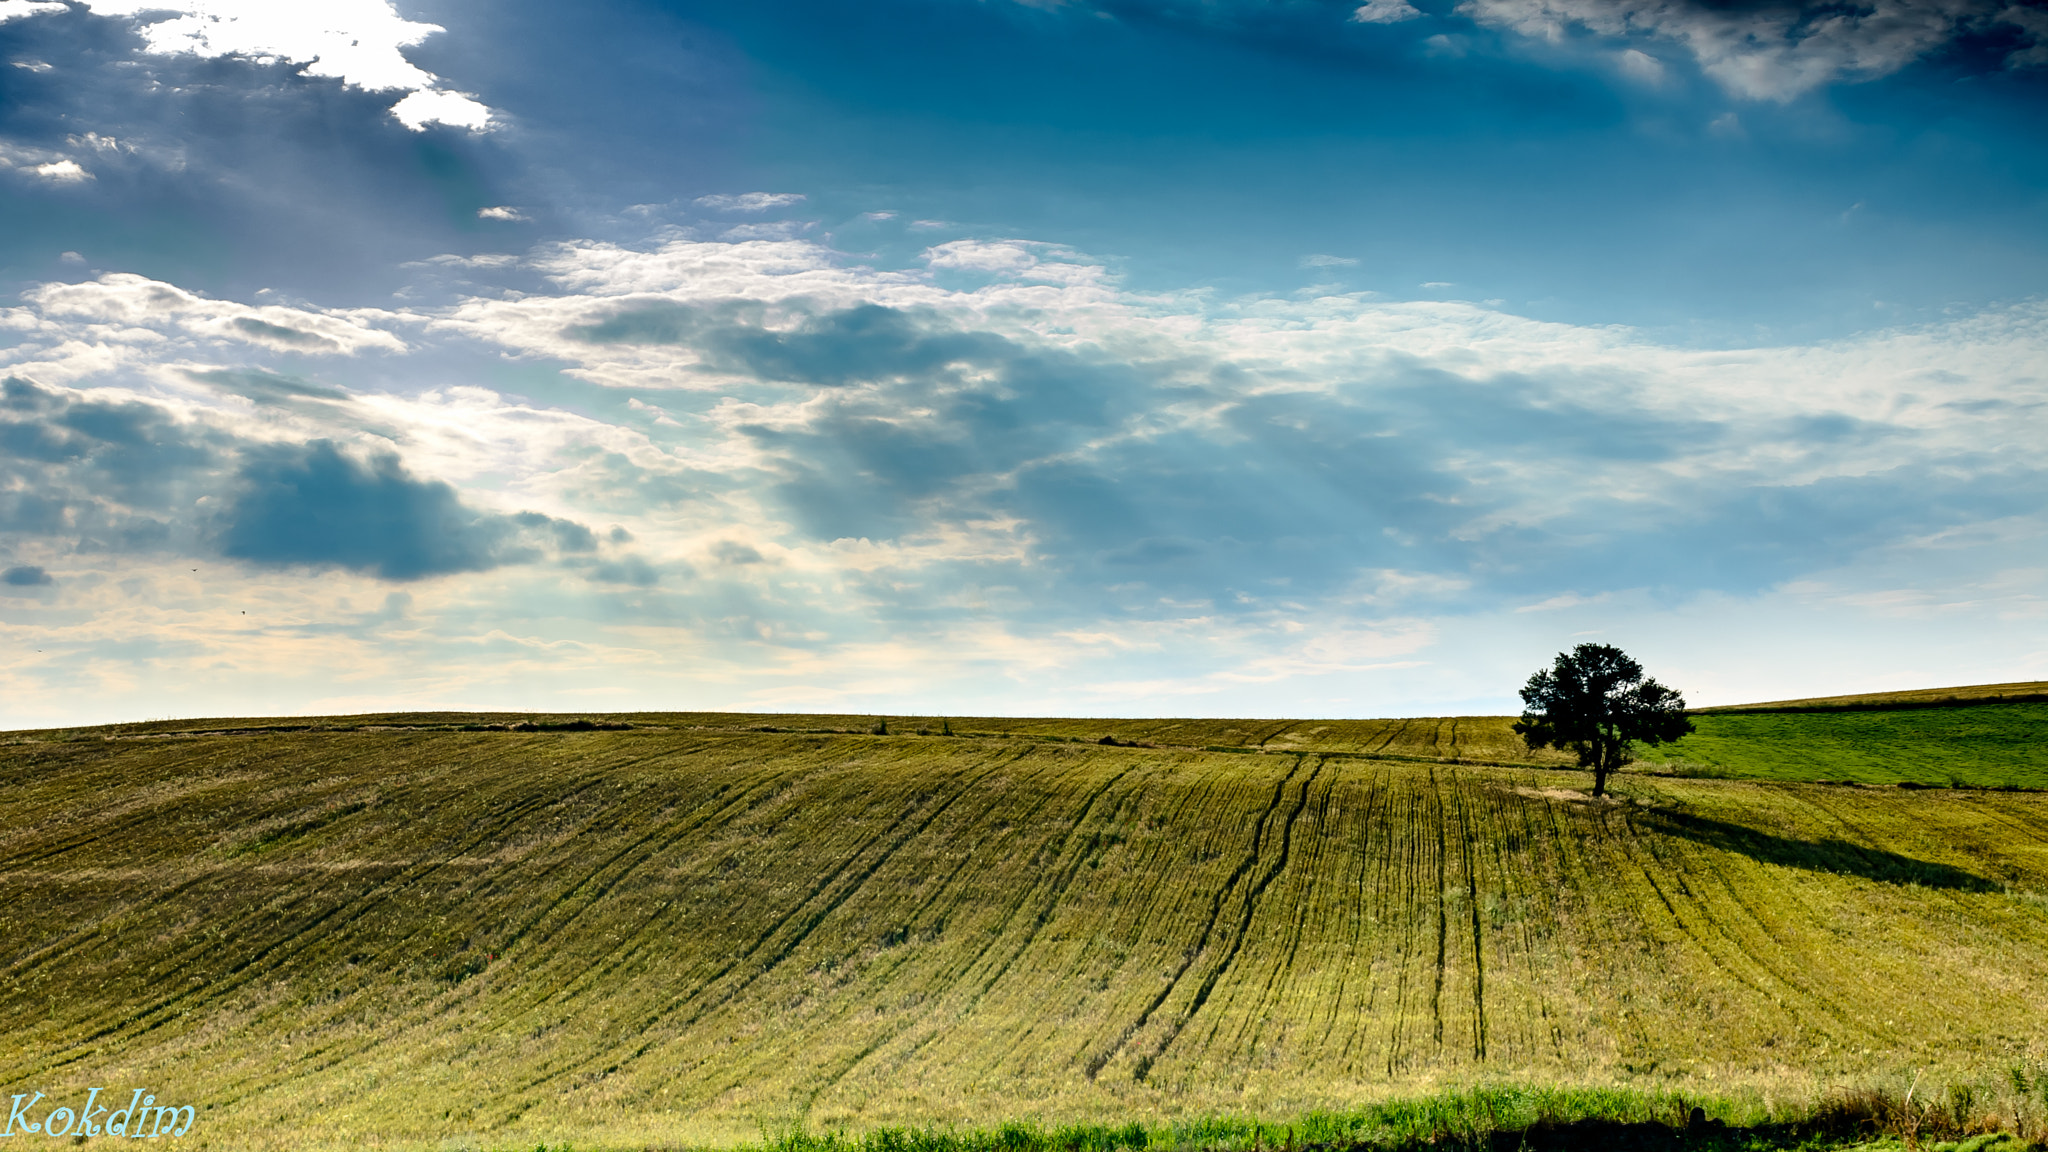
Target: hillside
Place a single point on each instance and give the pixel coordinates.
(2027, 691)
(365, 933)
(1983, 745)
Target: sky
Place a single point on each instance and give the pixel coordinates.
(1280, 358)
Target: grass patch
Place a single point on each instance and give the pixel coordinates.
(1979, 745)
(1507, 1119)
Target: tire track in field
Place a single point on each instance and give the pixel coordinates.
(1782, 974)
(1058, 887)
(1261, 741)
(1364, 913)
(1518, 814)
(1478, 937)
(1053, 894)
(1099, 1060)
(617, 868)
(291, 943)
(1251, 1023)
(741, 801)
(1443, 912)
(1251, 907)
(1405, 872)
(331, 1055)
(609, 768)
(1635, 847)
(147, 814)
(1958, 901)
(82, 938)
(1393, 733)
(802, 932)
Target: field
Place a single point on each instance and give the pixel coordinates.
(1984, 745)
(434, 932)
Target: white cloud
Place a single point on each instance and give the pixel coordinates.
(62, 171)
(122, 308)
(772, 230)
(749, 201)
(355, 41)
(1385, 12)
(501, 212)
(433, 106)
(34, 65)
(43, 163)
(1640, 66)
(16, 9)
(1323, 261)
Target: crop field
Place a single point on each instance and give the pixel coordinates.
(393, 932)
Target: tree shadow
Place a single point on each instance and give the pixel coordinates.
(1830, 855)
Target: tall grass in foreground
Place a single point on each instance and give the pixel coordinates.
(1959, 1118)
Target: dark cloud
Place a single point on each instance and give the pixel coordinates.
(313, 506)
(26, 576)
(626, 570)
(660, 322)
(279, 334)
(865, 343)
(266, 387)
(1294, 494)
(107, 472)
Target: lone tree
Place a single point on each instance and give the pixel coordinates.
(1596, 702)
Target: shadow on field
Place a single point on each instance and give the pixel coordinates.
(1830, 855)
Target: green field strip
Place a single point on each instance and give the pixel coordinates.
(1984, 745)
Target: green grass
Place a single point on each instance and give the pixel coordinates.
(1981, 745)
(420, 932)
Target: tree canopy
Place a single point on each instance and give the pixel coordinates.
(1595, 701)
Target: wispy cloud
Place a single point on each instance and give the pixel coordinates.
(1774, 51)
(1385, 12)
(749, 201)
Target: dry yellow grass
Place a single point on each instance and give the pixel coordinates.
(406, 938)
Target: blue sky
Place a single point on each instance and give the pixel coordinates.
(974, 356)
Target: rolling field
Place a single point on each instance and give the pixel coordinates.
(364, 933)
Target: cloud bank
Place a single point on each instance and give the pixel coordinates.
(809, 479)
(1772, 51)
